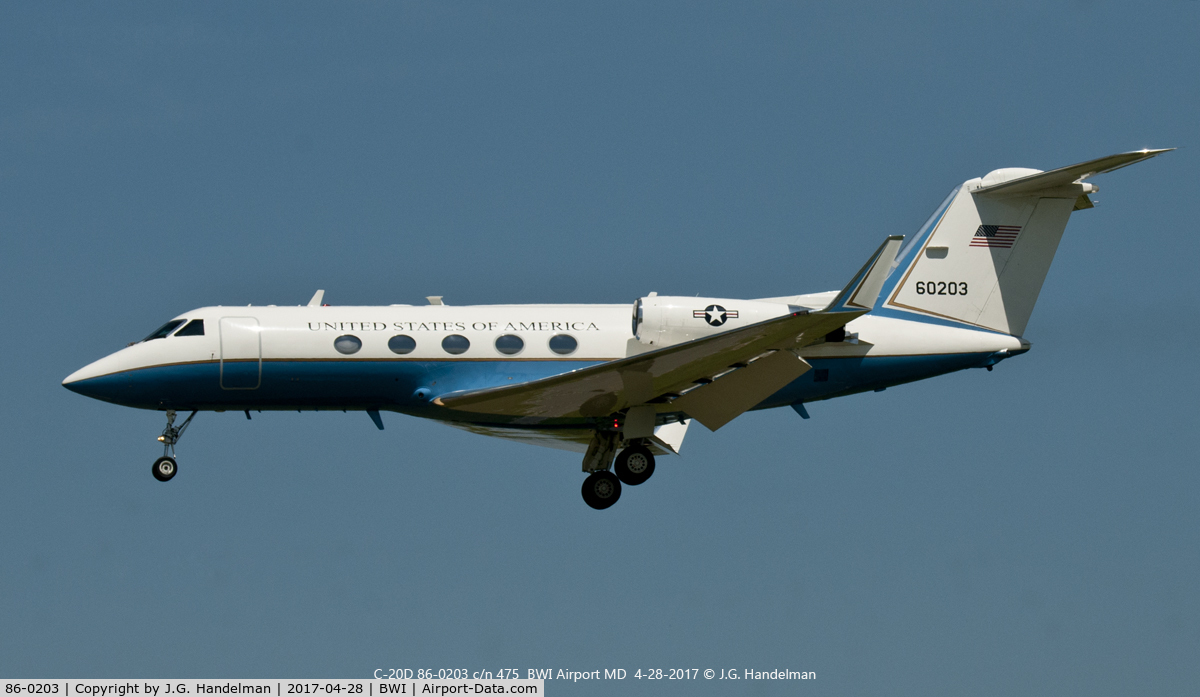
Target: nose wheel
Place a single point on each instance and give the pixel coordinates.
(165, 467)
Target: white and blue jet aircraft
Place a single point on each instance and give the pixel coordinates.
(621, 386)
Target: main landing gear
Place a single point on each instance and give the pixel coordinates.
(165, 467)
(634, 465)
(601, 489)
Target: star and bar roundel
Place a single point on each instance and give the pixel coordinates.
(715, 315)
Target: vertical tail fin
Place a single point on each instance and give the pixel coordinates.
(982, 257)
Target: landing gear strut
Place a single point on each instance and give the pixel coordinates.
(602, 488)
(165, 467)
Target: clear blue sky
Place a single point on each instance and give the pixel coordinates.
(1033, 530)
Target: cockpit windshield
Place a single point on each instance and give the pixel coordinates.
(164, 330)
(193, 328)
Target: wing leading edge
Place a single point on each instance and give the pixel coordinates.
(713, 379)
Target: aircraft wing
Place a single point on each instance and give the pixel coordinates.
(667, 438)
(700, 366)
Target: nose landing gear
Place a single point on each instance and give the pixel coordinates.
(165, 467)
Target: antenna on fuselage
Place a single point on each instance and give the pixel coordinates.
(434, 299)
(316, 299)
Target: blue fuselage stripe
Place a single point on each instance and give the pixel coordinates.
(408, 386)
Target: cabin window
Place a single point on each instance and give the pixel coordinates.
(193, 328)
(456, 344)
(509, 345)
(402, 344)
(164, 330)
(821, 375)
(347, 344)
(563, 344)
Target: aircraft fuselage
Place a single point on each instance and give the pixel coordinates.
(288, 358)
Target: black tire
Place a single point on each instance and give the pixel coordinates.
(634, 465)
(164, 468)
(601, 490)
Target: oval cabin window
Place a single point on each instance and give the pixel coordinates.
(509, 345)
(563, 344)
(347, 344)
(456, 344)
(402, 344)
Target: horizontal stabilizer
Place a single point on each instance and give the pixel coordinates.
(1065, 176)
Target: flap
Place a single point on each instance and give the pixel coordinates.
(723, 400)
(670, 436)
(666, 440)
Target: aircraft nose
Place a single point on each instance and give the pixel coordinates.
(87, 372)
(71, 382)
(96, 379)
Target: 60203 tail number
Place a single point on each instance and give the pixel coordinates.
(941, 288)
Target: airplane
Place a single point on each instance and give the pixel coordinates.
(622, 384)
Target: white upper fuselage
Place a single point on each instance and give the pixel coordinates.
(308, 333)
(288, 350)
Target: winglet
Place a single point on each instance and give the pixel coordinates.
(316, 299)
(863, 290)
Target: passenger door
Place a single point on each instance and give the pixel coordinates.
(241, 353)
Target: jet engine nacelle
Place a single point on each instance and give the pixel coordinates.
(664, 320)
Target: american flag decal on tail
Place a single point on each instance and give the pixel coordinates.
(996, 236)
